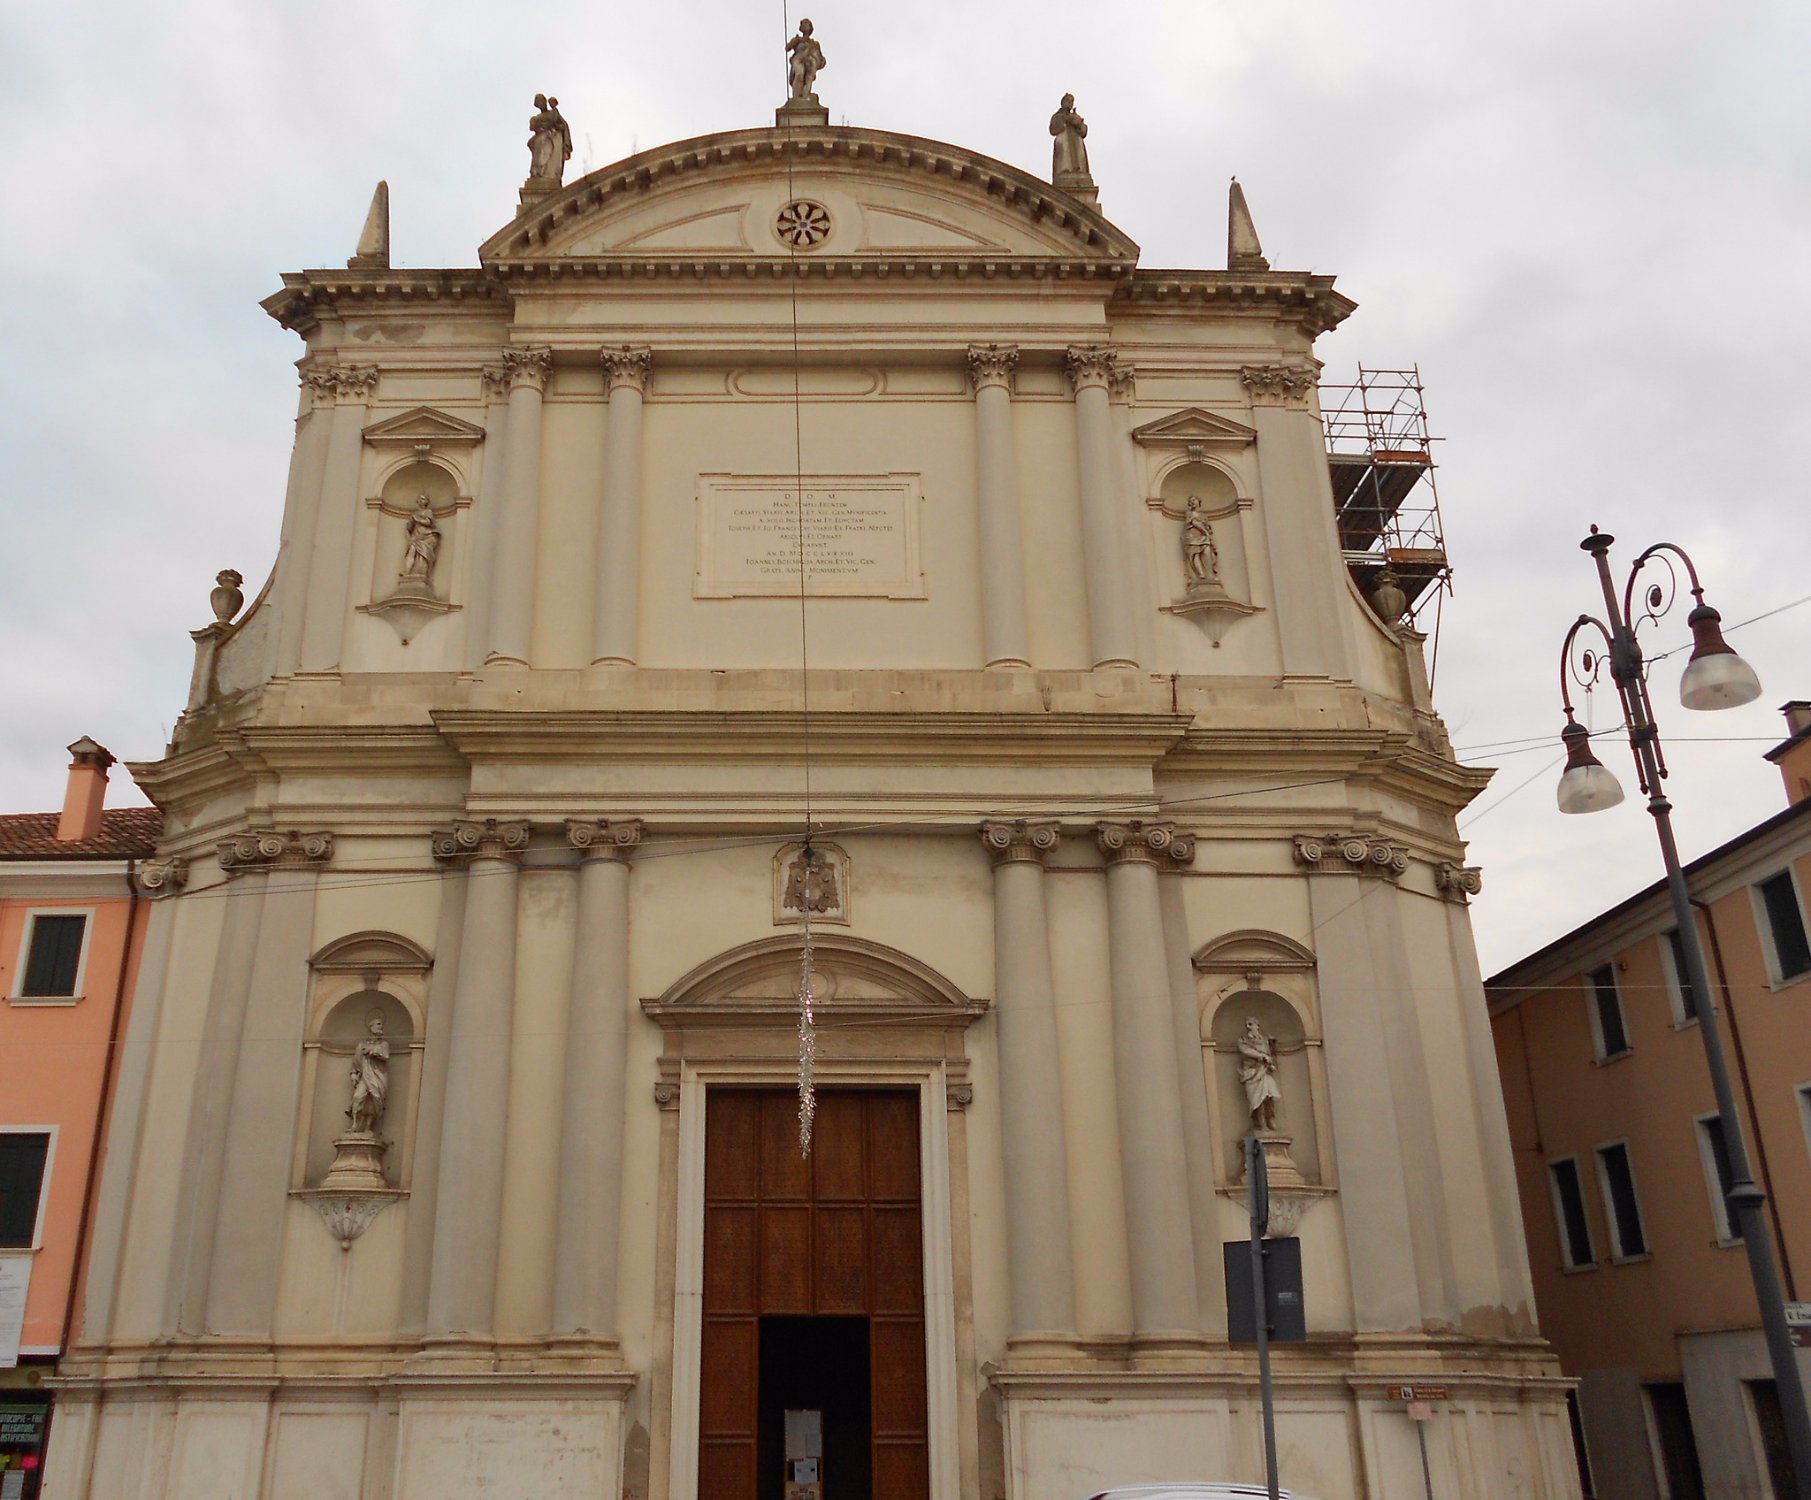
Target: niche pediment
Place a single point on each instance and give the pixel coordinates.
(867, 193)
(423, 425)
(1192, 426)
(1251, 951)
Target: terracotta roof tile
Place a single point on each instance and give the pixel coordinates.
(125, 832)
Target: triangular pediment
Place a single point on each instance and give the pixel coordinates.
(869, 194)
(424, 425)
(1193, 425)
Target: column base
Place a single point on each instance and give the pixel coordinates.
(1008, 664)
(498, 659)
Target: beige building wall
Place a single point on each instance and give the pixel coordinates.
(531, 811)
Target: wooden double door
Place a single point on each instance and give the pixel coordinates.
(813, 1293)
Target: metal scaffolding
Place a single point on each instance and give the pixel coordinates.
(1380, 455)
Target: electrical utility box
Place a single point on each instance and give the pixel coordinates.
(1284, 1312)
(804, 1455)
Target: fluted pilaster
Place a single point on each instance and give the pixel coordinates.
(513, 556)
(1003, 635)
(1092, 371)
(618, 573)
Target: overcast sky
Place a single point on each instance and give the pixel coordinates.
(1589, 224)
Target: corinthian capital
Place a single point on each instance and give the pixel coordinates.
(1150, 843)
(353, 384)
(626, 365)
(1090, 365)
(470, 838)
(604, 838)
(1278, 385)
(265, 848)
(528, 367)
(493, 382)
(992, 364)
(1019, 841)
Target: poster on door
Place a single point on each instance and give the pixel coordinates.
(15, 1279)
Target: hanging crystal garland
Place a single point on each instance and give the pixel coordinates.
(807, 1039)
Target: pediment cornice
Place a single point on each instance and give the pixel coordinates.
(1192, 427)
(1074, 229)
(424, 424)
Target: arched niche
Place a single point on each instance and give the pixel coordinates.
(404, 589)
(355, 978)
(1252, 974)
(1223, 593)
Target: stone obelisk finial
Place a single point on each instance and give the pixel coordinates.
(373, 251)
(1243, 252)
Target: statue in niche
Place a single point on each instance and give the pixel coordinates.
(370, 1077)
(549, 142)
(423, 547)
(1258, 1073)
(804, 61)
(1199, 554)
(810, 884)
(1069, 155)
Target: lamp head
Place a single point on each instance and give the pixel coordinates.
(1586, 785)
(1715, 677)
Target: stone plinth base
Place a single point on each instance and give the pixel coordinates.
(358, 1164)
(801, 112)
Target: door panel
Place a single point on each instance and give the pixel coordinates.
(839, 1234)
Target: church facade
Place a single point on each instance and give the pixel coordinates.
(808, 551)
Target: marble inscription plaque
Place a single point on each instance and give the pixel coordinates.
(859, 535)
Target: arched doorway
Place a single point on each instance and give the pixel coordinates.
(828, 1279)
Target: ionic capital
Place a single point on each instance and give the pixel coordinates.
(1090, 365)
(626, 366)
(1279, 385)
(470, 838)
(604, 838)
(268, 848)
(1350, 854)
(1458, 882)
(1019, 842)
(528, 367)
(992, 364)
(163, 877)
(1147, 843)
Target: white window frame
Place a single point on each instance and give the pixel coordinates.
(15, 995)
(1675, 982)
(1763, 923)
(1559, 1215)
(1619, 1255)
(1719, 1208)
(1590, 988)
(50, 1164)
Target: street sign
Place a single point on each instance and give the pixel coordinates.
(1420, 1393)
(1798, 1323)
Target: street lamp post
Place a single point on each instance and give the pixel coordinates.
(1714, 678)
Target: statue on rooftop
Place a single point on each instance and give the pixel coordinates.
(549, 142)
(1069, 155)
(804, 61)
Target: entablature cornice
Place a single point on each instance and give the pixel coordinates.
(309, 297)
(909, 737)
(1303, 299)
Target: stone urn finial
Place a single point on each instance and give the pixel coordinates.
(1388, 599)
(226, 598)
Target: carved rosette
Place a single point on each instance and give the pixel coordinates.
(992, 364)
(163, 877)
(666, 1084)
(1351, 854)
(604, 838)
(1156, 844)
(626, 366)
(1458, 882)
(1091, 365)
(267, 848)
(528, 367)
(1279, 385)
(1019, 842)
(470, 838)
(958, 1091)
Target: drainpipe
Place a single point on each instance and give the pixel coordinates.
(135, 904)
(1760, 1140)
